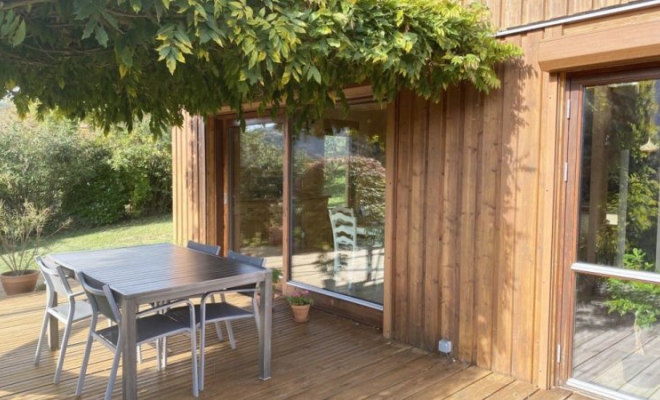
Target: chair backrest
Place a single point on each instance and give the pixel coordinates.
(100, 297)
(204, 248)
(344, 227)
(256, 261)
(54, 277)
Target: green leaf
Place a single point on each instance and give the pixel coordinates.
(19, 35)
(89, 28)
(101, 35)
(314, 73)
(171, 64)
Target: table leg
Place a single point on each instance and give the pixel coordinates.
(129, 357)
(266, 310)
(53, 327)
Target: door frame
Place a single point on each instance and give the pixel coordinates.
(569, 218)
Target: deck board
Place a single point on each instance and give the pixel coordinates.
(329, 357)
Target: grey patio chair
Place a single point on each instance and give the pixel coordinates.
(208, 249)
(151, 326)
(248, 290)
(204, 248)
(72, 311)
(210, 312)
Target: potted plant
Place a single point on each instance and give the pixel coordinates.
(277, 277)
(20, 235)
(300, 303)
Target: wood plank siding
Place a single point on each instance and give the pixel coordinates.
(470, 237)
(474, 196)
(197, 181)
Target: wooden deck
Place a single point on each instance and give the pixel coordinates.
(328, 357)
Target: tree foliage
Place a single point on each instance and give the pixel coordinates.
(117, 60)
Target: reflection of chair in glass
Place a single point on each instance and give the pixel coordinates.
(344, 236)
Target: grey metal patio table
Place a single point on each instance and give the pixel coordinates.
(154, 273)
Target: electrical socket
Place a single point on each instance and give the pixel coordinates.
(444, 346)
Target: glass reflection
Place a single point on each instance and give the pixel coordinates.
(620, 167)
(339, 202)
(257, 190)
(617, 335)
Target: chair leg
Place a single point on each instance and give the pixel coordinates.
(113, 370)
(197, 386)
(218, 326)
(44, 326)
(139, 354)
(256, 314)
(164, 350)
(159, 355)
(218, 331)
(202, 357)
(230, 334)
(83, 367)
(63, 346)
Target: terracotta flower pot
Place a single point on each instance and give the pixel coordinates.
(18, 284)
(300, 313)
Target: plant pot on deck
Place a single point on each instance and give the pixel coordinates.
(300, 313)
(18, 284)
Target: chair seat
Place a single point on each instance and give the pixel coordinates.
(82, 310)
(148, 329)
(214, 312)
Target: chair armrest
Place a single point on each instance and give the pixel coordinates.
(211, 294)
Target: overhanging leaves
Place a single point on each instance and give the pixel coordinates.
(115, 60)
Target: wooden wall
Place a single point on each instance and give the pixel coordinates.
(510, 13)
(475, 182)
(197, 202)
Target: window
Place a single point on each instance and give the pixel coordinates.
(338, 210)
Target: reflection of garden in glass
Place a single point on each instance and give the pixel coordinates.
(617, 342)
(339, 162)
(258, 186)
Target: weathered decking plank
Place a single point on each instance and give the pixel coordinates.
(327, 358)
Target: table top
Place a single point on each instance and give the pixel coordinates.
(160, 269)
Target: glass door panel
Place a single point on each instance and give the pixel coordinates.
(338, 211)
(616, 335)
(257, 186)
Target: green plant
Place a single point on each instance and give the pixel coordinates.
(277, 275)
(20, 236)
(642, 300)
(300, 299)
(129, 59)
(77, 172)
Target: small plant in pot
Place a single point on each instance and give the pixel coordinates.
(300, 303)
(20, 238)
(277, 278)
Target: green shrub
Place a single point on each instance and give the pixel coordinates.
(77, 172)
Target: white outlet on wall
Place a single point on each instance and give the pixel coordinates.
(444, 346)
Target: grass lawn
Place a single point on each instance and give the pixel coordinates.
(142, 231)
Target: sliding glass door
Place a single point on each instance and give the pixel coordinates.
(338, 202)
(615, 347)
(334, 215)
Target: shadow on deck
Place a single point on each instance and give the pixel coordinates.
(328, 357)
